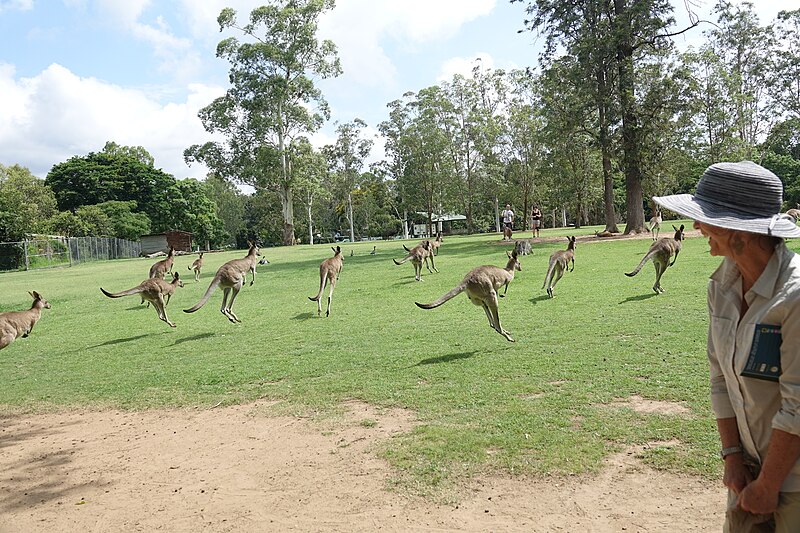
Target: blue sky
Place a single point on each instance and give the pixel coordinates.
(77, 73)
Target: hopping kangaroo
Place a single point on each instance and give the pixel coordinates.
(655, 224)
(230, 277)
(197, 266)
(160, 269)
(417, 255)
(14, 324)
(660, 252)
(559, 262)
(329, 271)
(155, 291)
(482, 284)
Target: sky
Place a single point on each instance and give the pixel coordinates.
(77, 73)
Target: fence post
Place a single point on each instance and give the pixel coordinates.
(69, 250)
(25, 249)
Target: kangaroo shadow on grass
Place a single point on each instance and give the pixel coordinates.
(197, 337)
(445, 358)
(120, 341)
(303, 316)
(638, 298)
(538, 299)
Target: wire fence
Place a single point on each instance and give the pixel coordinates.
(47, 251)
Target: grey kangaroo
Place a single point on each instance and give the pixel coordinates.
(329, 271)
(155, 291)
(559, 262)
(197, 266)
(160, 269)
(418, 254)
(231, 277)
(482, 284)
(655, 224)
(15, 324)
(661, 252)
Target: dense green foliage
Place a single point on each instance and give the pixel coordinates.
(551, 403)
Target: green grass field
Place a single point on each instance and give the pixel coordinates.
(543, 405)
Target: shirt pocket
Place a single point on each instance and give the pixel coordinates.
(722, 337)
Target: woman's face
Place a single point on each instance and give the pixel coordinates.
(723, 242)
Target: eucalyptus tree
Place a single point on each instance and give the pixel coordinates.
(785, 84)
(396, 157)
(628, 33)
(573, 158)
(272, 97)
(346, 159)
(311, 167)
(26, 203)
(745, 50)
(524, 149)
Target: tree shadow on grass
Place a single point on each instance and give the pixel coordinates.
(638, 298)
(446, 358)
(197, 337)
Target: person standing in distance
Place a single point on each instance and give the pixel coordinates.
(753, 295)
(536, 220)
(508, 218)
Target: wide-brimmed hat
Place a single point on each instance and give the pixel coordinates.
(741, 196)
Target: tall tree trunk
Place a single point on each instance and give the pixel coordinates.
(350, 217)
(310, 222)
(605, 152)
(287, 209)
(630, 122)
(496, 214)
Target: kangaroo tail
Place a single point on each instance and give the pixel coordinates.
(449, 296)
(549, 274)
(135, 290)
(644, 260)
(406, 248)
(322, 282)
(403, 260)
(211, 288)
(190, 267)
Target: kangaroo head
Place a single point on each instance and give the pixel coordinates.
(176, 280)
(513, 260)
(336, 251)
(253, 249)
(38, 301)
(572, 243)
(678, 232)
(201, 255)
(171, 252)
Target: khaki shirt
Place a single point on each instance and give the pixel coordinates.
(758, 405)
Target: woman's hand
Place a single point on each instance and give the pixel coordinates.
(757, 498)
(737, 476)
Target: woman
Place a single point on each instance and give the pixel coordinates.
(737, 207)
(536, 220)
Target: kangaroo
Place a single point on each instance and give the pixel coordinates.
(197, 265)
(329, 271)
(435, 244)
(155, 291)
(523, 247)
(417, 255)
(15, 324)
(794, 213)
(374, 250)
(559, 263)
(231, 277)
(660, 252)
(482, 284)
(655, 224)
(507, 233)
(160, 269)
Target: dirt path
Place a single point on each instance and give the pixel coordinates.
(239, 469)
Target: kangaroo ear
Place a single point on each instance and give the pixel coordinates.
(34, 295)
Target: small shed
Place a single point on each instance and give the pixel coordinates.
(180, 240)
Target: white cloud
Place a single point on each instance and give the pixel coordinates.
(464, 66)
(16, 5)
(49, 118)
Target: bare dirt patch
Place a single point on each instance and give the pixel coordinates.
(242, 469)
(645, 406)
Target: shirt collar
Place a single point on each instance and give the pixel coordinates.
(727, 274)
